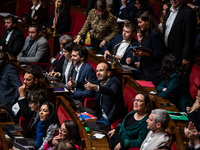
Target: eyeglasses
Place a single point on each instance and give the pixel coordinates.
(138, 100)
(63, 131)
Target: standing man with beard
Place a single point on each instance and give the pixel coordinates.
(13, 39)
(109, 97)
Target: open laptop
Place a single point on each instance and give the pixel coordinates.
(13, 128)
(21, 143)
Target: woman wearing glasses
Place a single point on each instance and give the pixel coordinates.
(133, 130)
(68, 131)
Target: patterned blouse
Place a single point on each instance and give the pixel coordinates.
(105, 28)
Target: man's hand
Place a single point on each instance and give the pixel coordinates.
(0, 47)
(17, 59)
(89, 86)
(141, 53)
(111, 132)
(118, 57)
(22, 90)
(54, 74)
(105, 53)
(70, 83)
(195, 106)
(102, 43)
(128, 60)
(51, 59)
(77, 40)
(118, 147)
(186, 64)
(191, 5)
(137, 64)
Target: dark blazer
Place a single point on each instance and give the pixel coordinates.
(15, 43)
(64, 21)
(70, 72)
(86, 72)
(181, 38)
(31, 130)
(58, 64)
(195, 118)
(26, 112)
(196, 3)
(9, 84)
(112, 101)
(41, 14)
(119, 38)
(150, 65)
(129, 12)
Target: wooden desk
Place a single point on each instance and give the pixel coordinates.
(118, 71)
(97, 144)
(175, 127)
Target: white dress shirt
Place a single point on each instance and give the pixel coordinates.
(170, 22)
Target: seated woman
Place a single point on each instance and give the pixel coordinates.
(68, 67)
(133, 130)
(37, 13)
(102, 25)
(60, 19)
(150, 62)
(35, 100)
(173, 86)
(68, 131)
(48, 125)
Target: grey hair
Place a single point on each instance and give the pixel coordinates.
(162, 116)
(67, 37)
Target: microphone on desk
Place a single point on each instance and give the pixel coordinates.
(113, 62)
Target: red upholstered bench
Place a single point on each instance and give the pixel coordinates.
(2, 27)
(128, 94)
(62, 115)
(24, 122)
(84, 3)
(23, 7)
(194, 80)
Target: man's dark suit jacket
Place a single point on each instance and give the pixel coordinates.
(15, 44)
(9, 84)
(41, 14)
(129, 12)
(195, 118)
(112, 101)
(119, 38)
(58, 64)
(64, 21)
(182, 36)
(86, 72)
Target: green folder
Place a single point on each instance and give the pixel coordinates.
(177, 116)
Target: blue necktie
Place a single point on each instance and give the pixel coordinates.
(28, 48)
